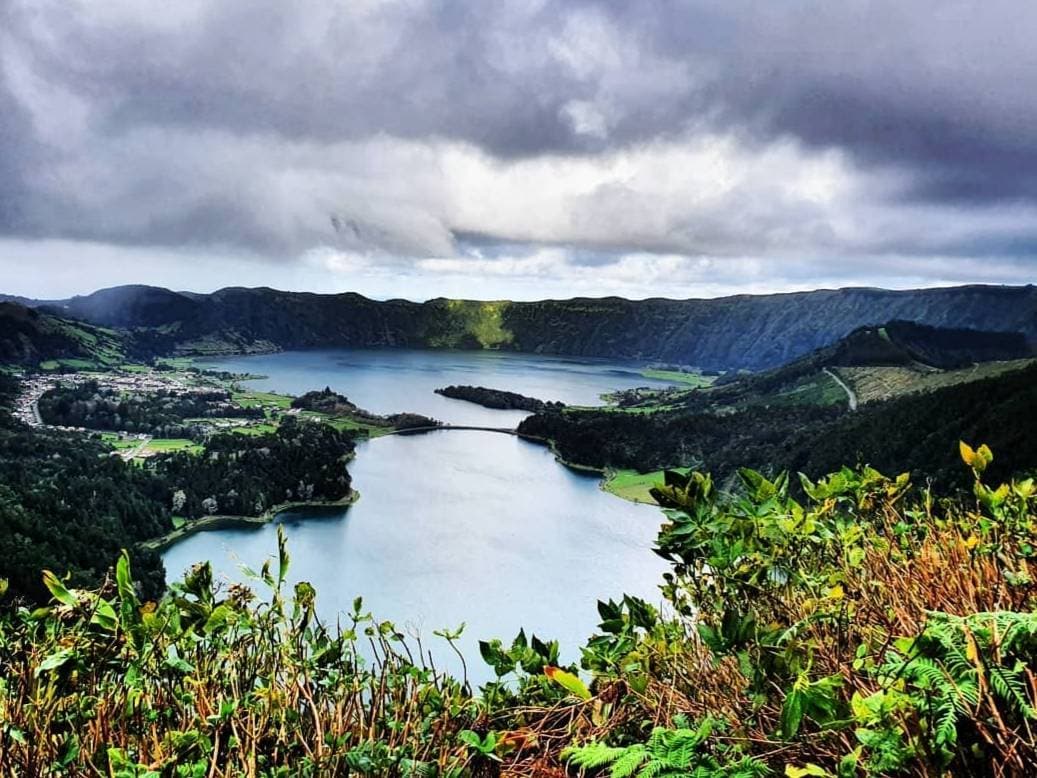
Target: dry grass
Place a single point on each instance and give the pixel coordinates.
(887, 594)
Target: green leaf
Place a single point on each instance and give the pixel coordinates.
(69, 751)
(55, 660)
(282, 555)
(792, 713)
(175, 662)
(16, 735)
(58, 590)
(568, 681)
(221, 615)
(485, 746)
(124, 580)
(104, 615)
(806, 771)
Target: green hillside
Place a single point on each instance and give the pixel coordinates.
(751, 332)
(28, 337)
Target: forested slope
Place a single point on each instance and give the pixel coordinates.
(753, 332)
(68, 504)
(916, 432)
(28, 337)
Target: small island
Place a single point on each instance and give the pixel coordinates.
(498, 399)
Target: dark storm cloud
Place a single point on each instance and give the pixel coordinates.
(18, 150)
(318, 72)
(15, 145)
(941, 89)
(280, 126)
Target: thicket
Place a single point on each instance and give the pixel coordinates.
(870, 628)
(66, 505)
(498, 398)
(243, 475)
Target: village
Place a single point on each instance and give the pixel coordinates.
(139, 445)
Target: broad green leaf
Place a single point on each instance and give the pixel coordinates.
(55, 660)
(180, 665)
(806, 771)
(469, 738)
(220, 616)
(104, 615)
(58, 590)
(568, 681)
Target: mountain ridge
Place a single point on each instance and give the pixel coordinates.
(752, 332)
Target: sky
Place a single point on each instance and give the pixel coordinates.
(523, 150)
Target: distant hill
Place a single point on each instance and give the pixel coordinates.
(907, 343)
(28, 337)
(799, 415)
(128, 307)
(903, 356)
(752, 332)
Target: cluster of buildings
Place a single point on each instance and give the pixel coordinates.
(33, 387)
(26, 406)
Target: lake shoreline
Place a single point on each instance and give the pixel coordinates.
(192, 527)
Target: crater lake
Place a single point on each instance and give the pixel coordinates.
(453, 525)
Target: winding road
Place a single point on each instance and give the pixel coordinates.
(849, 392)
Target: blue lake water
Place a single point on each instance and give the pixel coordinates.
(394, 380)
(454, 526)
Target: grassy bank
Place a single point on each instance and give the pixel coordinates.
(696, 380)
(632, 485)
(168, 445)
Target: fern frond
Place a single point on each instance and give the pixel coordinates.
(1010, 687)
(946, 725)
(627, 764)
(594, 755)
(675, 749)
(929, 671)
(967, 696)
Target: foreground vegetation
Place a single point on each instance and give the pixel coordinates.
(871, 628)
